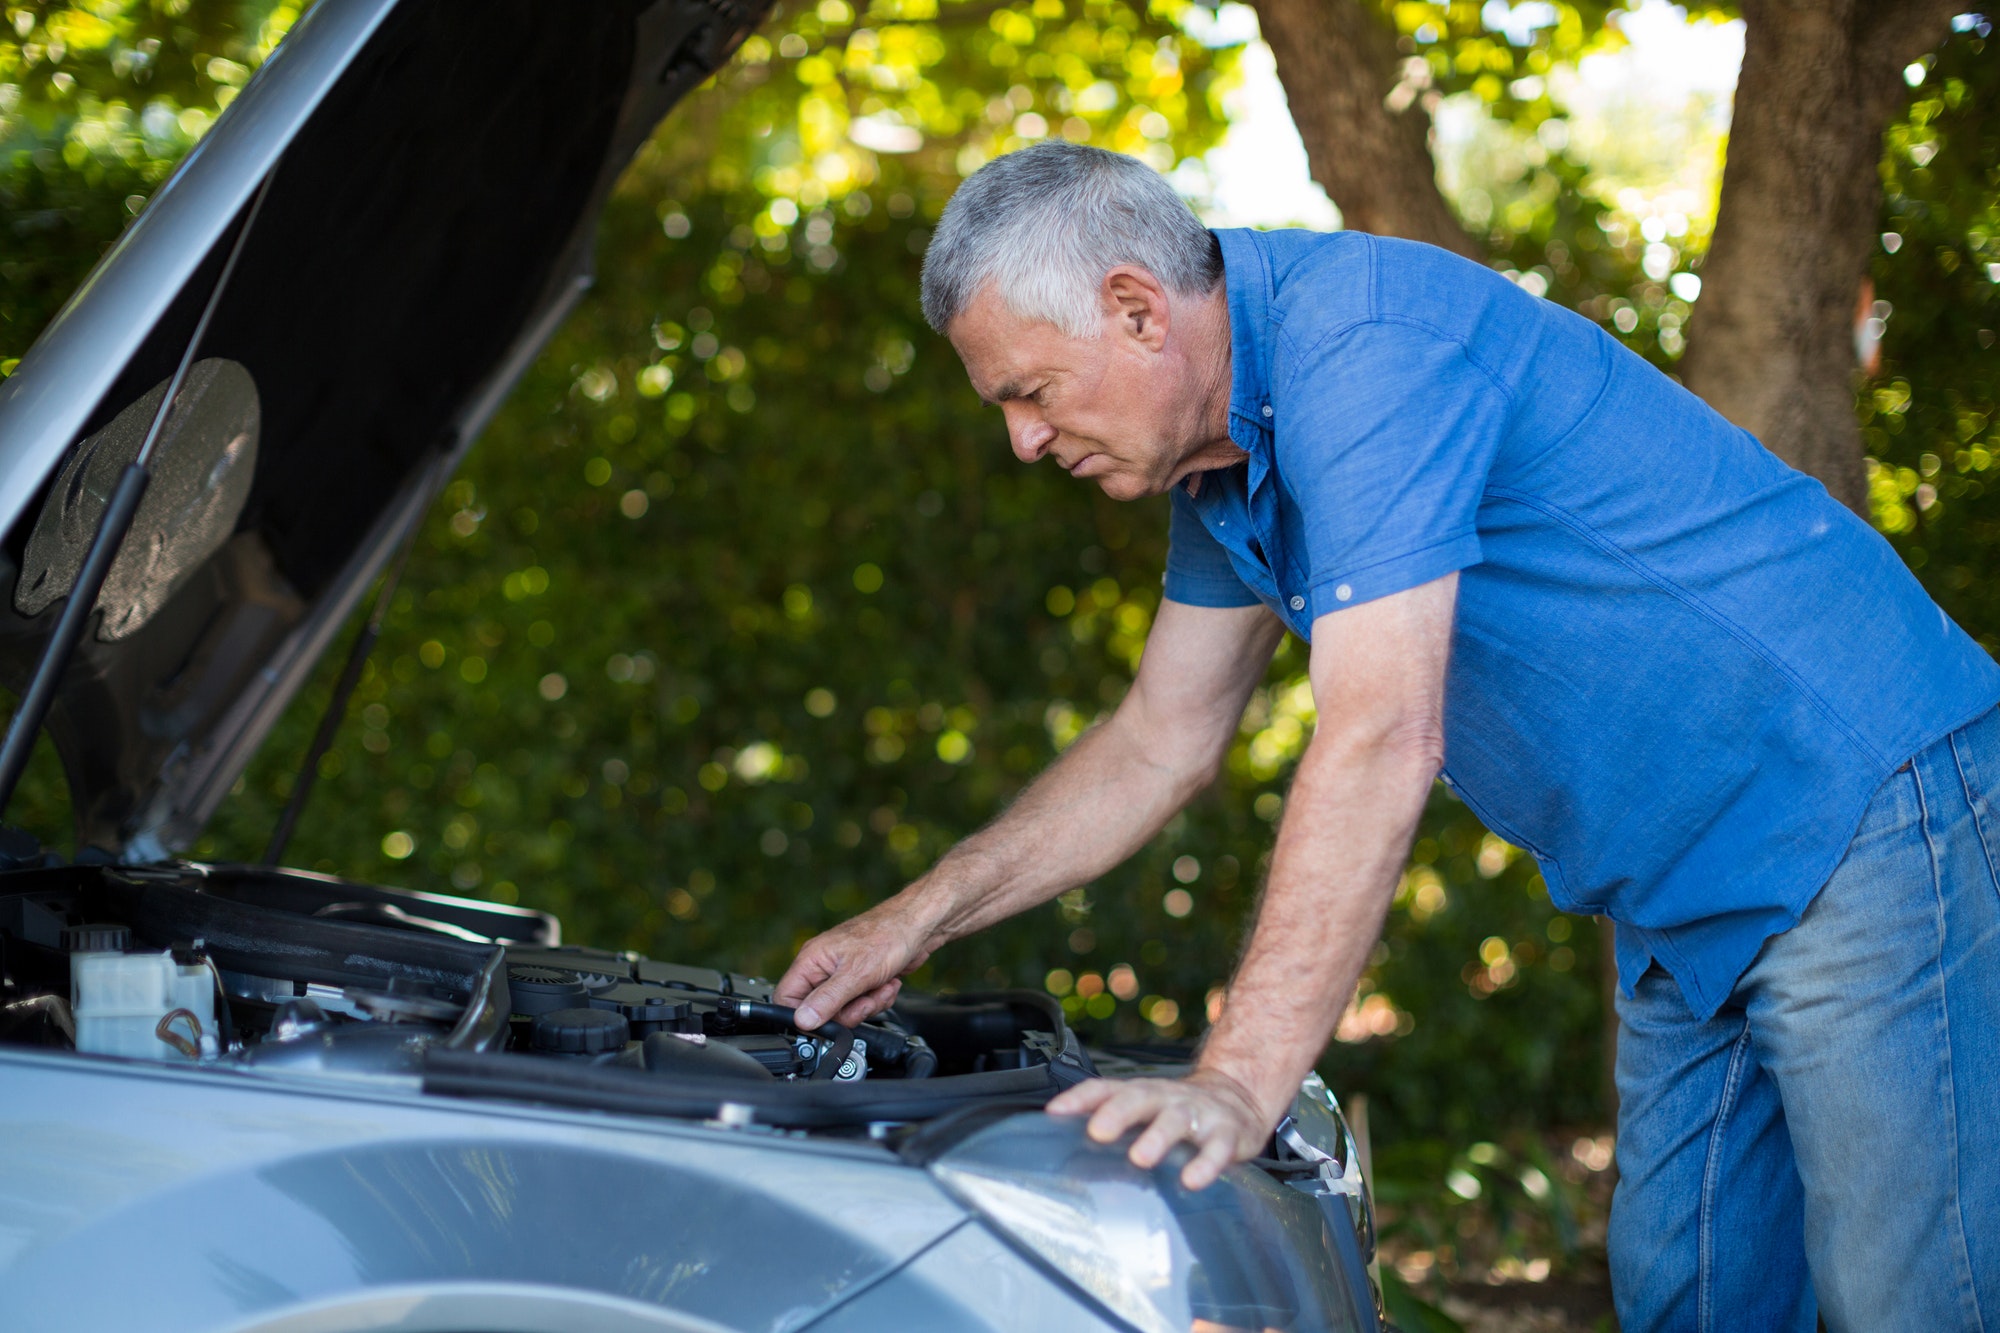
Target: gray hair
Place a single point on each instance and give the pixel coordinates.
(1046, 223)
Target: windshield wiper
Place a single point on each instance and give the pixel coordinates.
(112, 527)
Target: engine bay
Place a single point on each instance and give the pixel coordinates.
(281, 973)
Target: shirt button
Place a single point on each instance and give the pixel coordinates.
(1267, 409)
(1298, 603)
(1343, 592)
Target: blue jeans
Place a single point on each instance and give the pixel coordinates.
(1829, 1142)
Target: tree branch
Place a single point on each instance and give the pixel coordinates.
(1367, 138)
(1771, 346)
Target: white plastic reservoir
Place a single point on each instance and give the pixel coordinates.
(124, 1001)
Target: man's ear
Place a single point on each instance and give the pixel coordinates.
(1137, 305)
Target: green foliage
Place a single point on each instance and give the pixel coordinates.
(1459, 46)
(99, 100)
(742, 611)
(1410, 1314)
(1929, 415)
(912, 95)
(1455, 49)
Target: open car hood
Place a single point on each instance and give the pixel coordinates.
(435, 170)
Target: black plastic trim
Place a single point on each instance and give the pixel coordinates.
(797, 1105)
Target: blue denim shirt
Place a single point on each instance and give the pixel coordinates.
(1680, 668)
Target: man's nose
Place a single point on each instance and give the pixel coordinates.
(1030, 434)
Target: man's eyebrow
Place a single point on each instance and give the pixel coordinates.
(1006, 390)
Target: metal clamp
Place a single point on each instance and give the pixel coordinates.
(1337, 1173)
(1334, 1176)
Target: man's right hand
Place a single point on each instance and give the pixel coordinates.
(853, 972)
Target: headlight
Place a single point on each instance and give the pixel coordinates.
(1247, 1253)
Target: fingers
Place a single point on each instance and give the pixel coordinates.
(806, 972)
(1130, 1104)
(865, 1007)
(1217, 1152)
(833, 971)
(828, 998)
(851, 972)
(1171, 1124)
(1167, 1112)
(849, 994)
(1083, 1098)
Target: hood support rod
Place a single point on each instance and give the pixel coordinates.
(112, 527)
(336, 706)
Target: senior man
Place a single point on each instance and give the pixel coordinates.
(1707, 698)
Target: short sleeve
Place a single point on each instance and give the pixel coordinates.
(1385, 434)
(1198, 568)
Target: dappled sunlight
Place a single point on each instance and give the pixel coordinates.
(743, 612)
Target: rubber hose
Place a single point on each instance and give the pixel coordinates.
(831, 1061)
(921, 1062)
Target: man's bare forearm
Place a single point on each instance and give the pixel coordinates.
(1378, 680)
(1116, 786)
(1378, 675)
(1352, 813)
(1112, 790)
(1095, 806)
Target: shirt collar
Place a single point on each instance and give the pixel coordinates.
(1247, 277)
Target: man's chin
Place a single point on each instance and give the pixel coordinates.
(1124, 486)
(1117, 481)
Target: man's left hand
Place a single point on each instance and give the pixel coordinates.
(1211, 1111)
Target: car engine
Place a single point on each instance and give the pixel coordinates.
(282, 973)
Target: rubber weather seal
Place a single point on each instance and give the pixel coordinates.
(797, 1105)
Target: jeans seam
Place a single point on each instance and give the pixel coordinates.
(1973, 802)
(1711, 1187)
(1967, 1298)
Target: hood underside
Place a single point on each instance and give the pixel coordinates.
(435, 174)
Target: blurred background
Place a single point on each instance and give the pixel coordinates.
(742, 611)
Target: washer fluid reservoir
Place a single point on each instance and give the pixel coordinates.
(141, 1004)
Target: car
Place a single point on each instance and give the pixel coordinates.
(242, 1097)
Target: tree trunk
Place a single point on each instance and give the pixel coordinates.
(1771, 345)
(1367, 134)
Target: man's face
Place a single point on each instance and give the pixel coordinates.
(1111, 409)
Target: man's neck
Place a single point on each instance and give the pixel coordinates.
(1212, 448)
